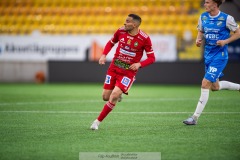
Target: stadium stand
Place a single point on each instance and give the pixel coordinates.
(179, 17)
(24, 16)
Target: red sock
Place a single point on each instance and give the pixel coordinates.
(108, 107)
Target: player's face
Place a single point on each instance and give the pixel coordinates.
(129, 24)
(210, 5)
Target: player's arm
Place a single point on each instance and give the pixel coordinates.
(108, 48)
(150, 59)
(150, 56)
(233, 37)
(233, 26)
(200, 33)
(199, 38)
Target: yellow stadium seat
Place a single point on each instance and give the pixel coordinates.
(159, 16)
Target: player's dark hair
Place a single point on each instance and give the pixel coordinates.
(136, 17)
(219, 2)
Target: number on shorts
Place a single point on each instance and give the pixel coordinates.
(107, 80)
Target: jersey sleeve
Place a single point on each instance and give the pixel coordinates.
(231, 23)
(111, 43)
(148, 46)
(108, 47)
(150, 54)
(199, 27)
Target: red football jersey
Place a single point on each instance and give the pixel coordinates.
(131, 48)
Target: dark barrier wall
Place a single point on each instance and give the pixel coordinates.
(161, 73)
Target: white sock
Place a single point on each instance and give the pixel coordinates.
(202, 102)
(228, 85)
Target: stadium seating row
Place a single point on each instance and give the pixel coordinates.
(99, 16)
(173, 20)
(86, 10)
(92, 3)
(85, 29)
(94, 13)
(153, 24)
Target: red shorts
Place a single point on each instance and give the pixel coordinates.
(118, 77)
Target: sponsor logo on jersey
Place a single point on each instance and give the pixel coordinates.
(134, 50)
(126, 81)
(129, 41)
(122, 40)
(130, 37)
(212, 36)
(204, 18)
(219, 23)
(135, 44)
(127, 47)
(221, 18)
(214, 30)
(132, 54)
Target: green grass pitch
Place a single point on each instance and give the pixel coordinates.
(52, 121)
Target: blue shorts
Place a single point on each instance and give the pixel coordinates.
(213, 69)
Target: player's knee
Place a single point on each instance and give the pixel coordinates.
(215, 88)
(206, 84)
(114, 96)
(105, 98)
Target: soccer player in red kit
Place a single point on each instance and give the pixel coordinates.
(132, 42)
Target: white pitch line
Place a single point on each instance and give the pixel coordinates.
(52, 102)
(87, 112)
(99, 101)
